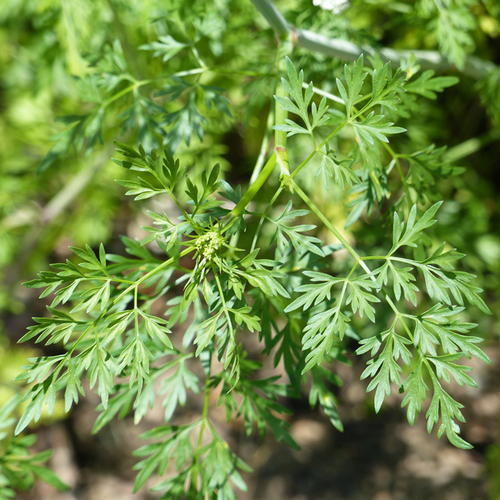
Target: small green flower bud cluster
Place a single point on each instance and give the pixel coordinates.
(208, 244)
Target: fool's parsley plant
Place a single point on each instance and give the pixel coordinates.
(169, 316)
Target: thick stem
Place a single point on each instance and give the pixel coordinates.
(471, 146)
(264, 146)
(347, 51)
(252, 191)
(280, 114)
(273, 16)
(323, 93)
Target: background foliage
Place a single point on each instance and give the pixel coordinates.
(77, 75)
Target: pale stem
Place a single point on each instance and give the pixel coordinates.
(264, 146)
(348, 51)
(323, 93)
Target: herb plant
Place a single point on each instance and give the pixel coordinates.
(226, 262)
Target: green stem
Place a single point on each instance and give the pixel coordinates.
(141, 83)
(344, 288)
(252, 191)
(317, 149)
(390, 257)
(280, 113)
(241, 73)
(264, 215)
(67, 356)
(406, 186)
(471, 146)
(198, 58)
(204, 422)
(136, 314)
(285, 49)
(151, 273)
(204, 69)
(264, 146)
(204, 416)
(107, 278)
(407, 329)
(344, 242)
(174, 198)
(329, 225)
(122, 92)
(147, 303)
(228, 318)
